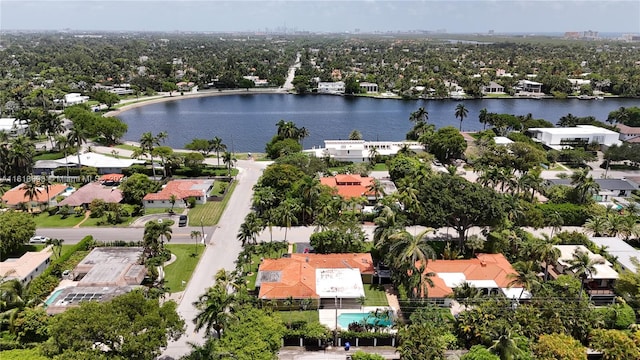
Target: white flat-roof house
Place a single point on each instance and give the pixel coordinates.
(13, 126)
(529, 86)
(74, 99)
(621, 250)
(600, 283)
(331, 87)
(576, 84)
(104, 164)
(361, 150)
(27, 267)
(563, 138)
(369, 87)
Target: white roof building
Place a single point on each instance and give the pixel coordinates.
(361, 150)
(502, 140)
(13, 126)
(105, 164)
(620, 249)
(603, 270)
(27, 267)
(562, 138)
(74, 99)
(331, 87)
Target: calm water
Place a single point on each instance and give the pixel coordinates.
(247, 122)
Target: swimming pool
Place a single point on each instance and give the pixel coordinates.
(53, 297)
(347, 318)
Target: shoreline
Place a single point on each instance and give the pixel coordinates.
(165, 98)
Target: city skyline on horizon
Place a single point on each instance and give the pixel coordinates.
(365, 16)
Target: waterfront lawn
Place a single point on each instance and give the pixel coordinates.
(374, 295)
(187, 256)
(307, 316)
(44, 220)
(209, 214)
(127, 147)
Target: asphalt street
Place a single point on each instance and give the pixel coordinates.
(181, 235)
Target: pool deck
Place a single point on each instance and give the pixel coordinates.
(328, 317)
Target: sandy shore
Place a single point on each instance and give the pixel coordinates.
(163, 98)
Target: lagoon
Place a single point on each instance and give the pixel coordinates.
(247, 122)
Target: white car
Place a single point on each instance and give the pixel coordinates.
(38, 240)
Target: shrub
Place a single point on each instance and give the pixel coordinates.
(191, 202)
(572, 214)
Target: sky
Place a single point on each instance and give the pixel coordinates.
(454, 16)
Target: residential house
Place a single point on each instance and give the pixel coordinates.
(568, 137)
(13, 126)
(598, 285)
(74, 99)
(493, 88)
(577, 84)
(489, 273)
(528, 86)
(329, 280)
(92, 191)
(105, 164)
(18, 195)
(628, 133)
(351, 186)
(369, 87)
(609, 188)
(102, 275)
(361, 150)
(257, 81)
(621, 250)
(183, 190)
(331, 87)
(26, 267)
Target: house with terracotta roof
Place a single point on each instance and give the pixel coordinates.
(18, 195)
(26, 267)
(92, 191)
(490, 273)
(350, 185)
(183, 190)
(328, 280)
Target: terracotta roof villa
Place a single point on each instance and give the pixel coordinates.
(487, 272)
(325, 278)
(350, 186)
(95, 190)
(182, 189)
(18, 195)
(102, 275)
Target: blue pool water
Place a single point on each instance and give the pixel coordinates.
(347, 318)
(53, 297)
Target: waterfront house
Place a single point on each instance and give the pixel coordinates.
(26, 267)
(74, 99)
(182, 190)
(489, 273)
(528, 86)
(331, 87)
(493, 88)
(369, 87)
(328, 280)
(568, 137)
(103, 163)
(361, 150)
(629, 133)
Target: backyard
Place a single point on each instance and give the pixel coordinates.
(208, 214)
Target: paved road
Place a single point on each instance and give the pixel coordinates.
(181, 235)
(288, 84)
(221, 252)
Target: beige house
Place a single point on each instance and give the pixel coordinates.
(26, 267)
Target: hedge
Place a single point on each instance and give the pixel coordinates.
(365, 335)
(572, 214)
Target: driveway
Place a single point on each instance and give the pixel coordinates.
(221, 253)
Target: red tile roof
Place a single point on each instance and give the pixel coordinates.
(298, 273)
(484, 267)
(349, 186)
(182, 189)
(18, 194)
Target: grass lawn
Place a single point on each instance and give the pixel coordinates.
(44, 220)
(557, 167)
(374, 295)
(183, 267)
(210, 212)
(380, 167)
(49, 156)
(93, 222)
(217, 188)
(151, 211)
(294, 316)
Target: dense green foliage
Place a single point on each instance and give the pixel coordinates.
(16, 228)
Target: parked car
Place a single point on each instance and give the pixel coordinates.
(183, 220)
(38, 240)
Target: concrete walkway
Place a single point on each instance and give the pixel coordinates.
(86, 217)
(392, 299)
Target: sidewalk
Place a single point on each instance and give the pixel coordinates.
(299, 353)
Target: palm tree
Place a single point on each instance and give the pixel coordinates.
(483, 117)
(303, 133)
(597, 226)
(525, 276)
(31, 191)
(407, 249)
(155, 234)
(196, 234)
(64, 144)
(461, 112)
(216, 145)
(229, 160)
(215, 310)
(583, 266)
(419, 116)
(172, 200)
(46, 183)
(373, 155)
(286, 213)
(147, 144)
(466, 293)
(377, 188)
(77, 136)
(249, 229)
(547, 253)
(584, 185)
(505, 346)
(12, 301)
(57, 245)
(556, 221)
(162, 136)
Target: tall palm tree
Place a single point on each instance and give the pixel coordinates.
(547, 253)
(583, 266)
(303, 133)
(249, 229)
(56, 244)
(466, 293)
(461, 112)
(172, 200)
(147, 143)
(525, 276)
(77, 136)
(483, 117)
(155, 235)
(407, 250)
(584, 184)
(377, 188)
(419, 116)
(216, 145)
(505, 346)
(597, 226)
(214, 310)
(286, 213)
(229, 161)
(31, 191)
(64, 144)
(162, 136)
(46, 183)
